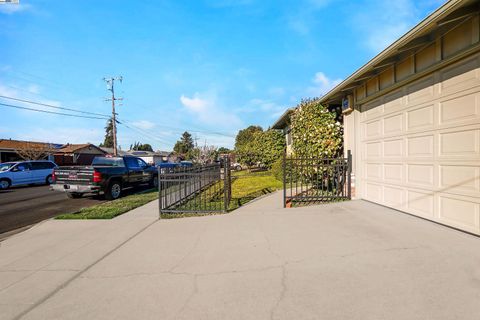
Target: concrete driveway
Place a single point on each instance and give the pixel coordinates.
(351, 260)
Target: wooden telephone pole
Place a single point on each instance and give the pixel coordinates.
(110, 87)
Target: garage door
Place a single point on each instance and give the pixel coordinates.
(420, 147)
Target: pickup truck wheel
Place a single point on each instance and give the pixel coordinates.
(154, 182)
(74, 195)
(5, 184)
(114, 191)
(49, 179)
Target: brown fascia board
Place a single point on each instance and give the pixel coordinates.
(392, 50)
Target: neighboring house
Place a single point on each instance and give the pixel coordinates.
(9, 149)
(153, 158)
(109, 151)
(283, 123)
(77, 154)
(412, 120)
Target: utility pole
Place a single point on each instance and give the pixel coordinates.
(110, 87)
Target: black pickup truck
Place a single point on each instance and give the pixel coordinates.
(106, 175)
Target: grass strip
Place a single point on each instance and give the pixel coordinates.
(111, 209)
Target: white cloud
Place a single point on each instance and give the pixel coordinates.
(33, 88)
(322, 84)
(144, 124)
(11, 8)
(262, 106)
(29, 93)
(195, 104)
(7, 91)
(208, 110)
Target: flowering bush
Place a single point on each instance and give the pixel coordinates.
(315, 132)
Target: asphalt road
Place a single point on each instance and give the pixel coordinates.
(24, 206)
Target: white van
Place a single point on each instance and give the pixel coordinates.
(26, 172)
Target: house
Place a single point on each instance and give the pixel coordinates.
(109, 151)
(412, 119)
(14, 150)
(77, 154)
(283, 124)
(150, 157)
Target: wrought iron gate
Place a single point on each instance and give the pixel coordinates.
(309, 181)
(197, 189)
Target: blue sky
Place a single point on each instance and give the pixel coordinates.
(208, 66)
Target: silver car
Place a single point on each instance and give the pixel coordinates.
(25, 173)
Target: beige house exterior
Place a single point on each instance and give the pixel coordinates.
(283, 124)
(412, 120)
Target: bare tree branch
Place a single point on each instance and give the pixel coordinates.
(34, 151)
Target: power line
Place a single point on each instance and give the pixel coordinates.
(55, 107)
(50, 112)
(190, 130)
(145, 134)
(45, 81)
(138, 128)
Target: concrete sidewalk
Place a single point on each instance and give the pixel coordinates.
(351, 260)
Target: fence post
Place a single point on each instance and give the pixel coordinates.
(159, 193)
(284, 166)
(349, 174)
(226, 168)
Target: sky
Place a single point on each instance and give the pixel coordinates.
(211, 67)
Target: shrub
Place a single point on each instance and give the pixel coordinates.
(277, 169)
(315, 132)
(264, 147)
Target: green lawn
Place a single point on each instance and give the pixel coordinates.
(109, 210)
(250, 185)
(246, 186)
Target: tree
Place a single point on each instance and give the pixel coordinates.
(245, 136)
(108, 141)
(315, 132)
(269, 146)
(137, 146)
(34, 151)
(263, 147)
(205, 154)
(223, 150)
(185, 146)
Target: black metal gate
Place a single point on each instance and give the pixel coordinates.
(308, 181)
(197, 189)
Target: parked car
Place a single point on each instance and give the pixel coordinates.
(25, 173)
(107, 176)
(237, 166)
(187, 164)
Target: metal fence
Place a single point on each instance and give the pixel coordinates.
(309, 181)
(197, 189)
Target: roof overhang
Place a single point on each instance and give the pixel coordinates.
(284, 119)
(419, 36)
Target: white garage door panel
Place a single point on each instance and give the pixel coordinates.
(421, 147)
(459, 213)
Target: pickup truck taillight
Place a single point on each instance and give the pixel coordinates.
(97, 176)
(53, 176)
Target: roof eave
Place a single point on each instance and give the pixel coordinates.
(444, 10)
